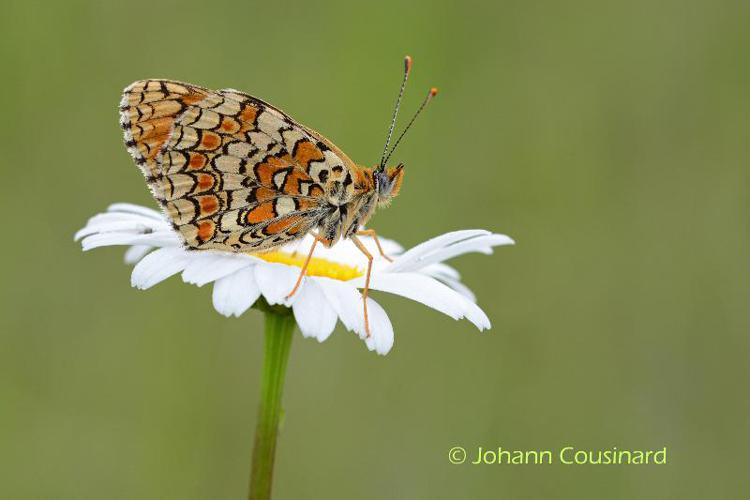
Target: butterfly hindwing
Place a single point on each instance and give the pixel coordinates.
(230, 171)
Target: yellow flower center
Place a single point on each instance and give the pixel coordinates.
(316, 266)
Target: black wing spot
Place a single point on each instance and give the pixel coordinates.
(252, 196)
(347, 179)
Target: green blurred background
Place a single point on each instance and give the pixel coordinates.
(608, 138)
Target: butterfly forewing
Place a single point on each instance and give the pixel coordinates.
(231, 172)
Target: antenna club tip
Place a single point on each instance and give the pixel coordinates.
(408, 61)
(433, 91)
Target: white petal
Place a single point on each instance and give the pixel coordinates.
(429, 292)
(122, 222)
(481, 244)
(235, 293)
(418, 287)
(136, 253)
(156, 239)
(346, 301)
(459, 287)
(126, 226)
(476, 315)
(315, 316)
(440, 270)
(158, 266)
(135, 209)
(276, 281)
(381, 330)
(209, 266)
(125, 216)
(413, 255)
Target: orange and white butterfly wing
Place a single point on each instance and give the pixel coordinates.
(231, 172)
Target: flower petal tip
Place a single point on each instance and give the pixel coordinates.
(223, 312)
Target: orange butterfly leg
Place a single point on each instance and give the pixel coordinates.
(364, 250)
(374, 235)
(304, 268)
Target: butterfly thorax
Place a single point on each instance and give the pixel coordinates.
(351, 204)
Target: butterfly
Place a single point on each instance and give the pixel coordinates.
(237, 174)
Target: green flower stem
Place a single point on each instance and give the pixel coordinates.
(279, 327)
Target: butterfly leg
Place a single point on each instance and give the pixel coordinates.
(374, 235)
(364, 250)
(304, 268)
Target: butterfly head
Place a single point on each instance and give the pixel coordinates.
(388, 183)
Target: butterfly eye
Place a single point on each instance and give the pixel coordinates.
(382, 183)
(388, 183)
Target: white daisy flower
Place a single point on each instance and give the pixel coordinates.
(329, 291)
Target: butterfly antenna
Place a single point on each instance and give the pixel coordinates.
(407, 69)
(432, 93)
